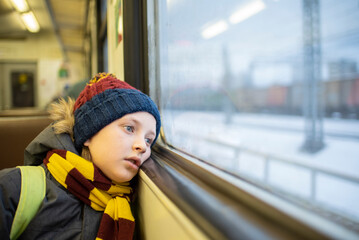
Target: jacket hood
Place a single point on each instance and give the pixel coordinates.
(47, 140)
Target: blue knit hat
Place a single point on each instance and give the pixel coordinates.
(105, 99)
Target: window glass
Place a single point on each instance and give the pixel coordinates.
(267, 90)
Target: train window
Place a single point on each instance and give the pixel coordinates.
(266, 90)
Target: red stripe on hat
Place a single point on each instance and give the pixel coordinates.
(108, 82)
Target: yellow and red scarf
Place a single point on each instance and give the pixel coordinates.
(84, 180)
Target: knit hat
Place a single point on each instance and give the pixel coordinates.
(105, 99)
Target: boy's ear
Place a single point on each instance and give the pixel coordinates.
(87, 143)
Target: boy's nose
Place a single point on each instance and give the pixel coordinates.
(139, 145)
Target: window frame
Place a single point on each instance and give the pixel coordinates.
(233, 202)
(249, 211)
(101, 26)
(134, 39)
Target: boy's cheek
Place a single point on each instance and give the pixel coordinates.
(147, 157)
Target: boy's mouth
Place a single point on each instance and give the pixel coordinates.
(135, 160)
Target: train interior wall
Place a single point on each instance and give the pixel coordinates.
(41, 54)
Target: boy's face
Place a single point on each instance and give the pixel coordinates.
(120, 148)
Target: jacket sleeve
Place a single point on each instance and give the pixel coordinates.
(10, 187)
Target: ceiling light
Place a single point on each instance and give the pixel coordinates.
(247, 11)
(30, 22)
(20, 5)
(214, 29)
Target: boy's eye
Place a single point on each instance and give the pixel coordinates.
(149, 141)
(129, 128)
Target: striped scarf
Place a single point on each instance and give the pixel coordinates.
(84, 180)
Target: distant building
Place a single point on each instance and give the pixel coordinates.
(342, 70)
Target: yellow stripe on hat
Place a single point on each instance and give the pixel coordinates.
(98, 77)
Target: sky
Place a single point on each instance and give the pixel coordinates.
(271, 39)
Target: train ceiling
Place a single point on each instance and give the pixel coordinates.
(65, 18)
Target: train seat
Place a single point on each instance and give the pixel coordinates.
(15, 134)
(23, 112)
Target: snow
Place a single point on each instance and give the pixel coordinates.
(256, 143)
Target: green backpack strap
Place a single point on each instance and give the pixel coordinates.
(33, 189)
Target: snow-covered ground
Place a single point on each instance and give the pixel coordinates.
(257, 143)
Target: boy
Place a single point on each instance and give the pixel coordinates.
(90, 153)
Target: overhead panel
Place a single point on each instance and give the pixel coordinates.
(69, 17)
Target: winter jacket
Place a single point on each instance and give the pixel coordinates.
(61, 215)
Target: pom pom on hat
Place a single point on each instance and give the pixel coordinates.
(105, 99)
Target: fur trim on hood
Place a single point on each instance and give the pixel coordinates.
(59, 135)
(47, 140)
